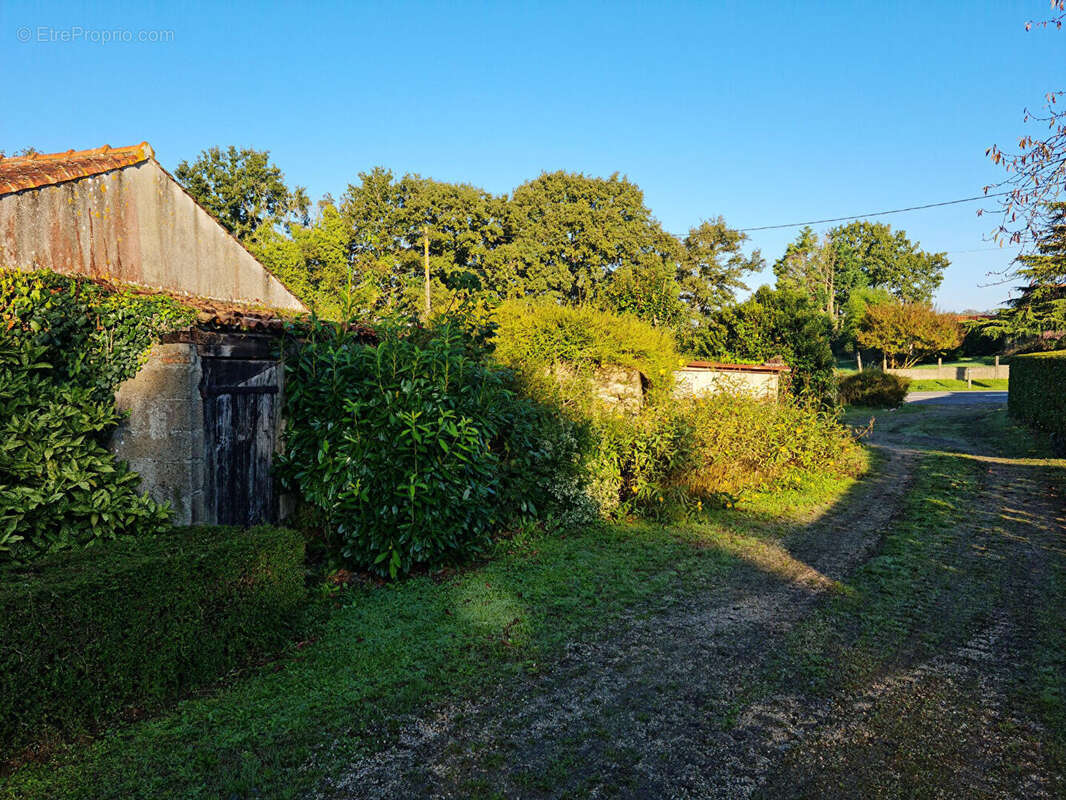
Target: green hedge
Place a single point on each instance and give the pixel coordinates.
(132, 623)
(1037, 390)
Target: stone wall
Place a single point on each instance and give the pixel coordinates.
(162, 436)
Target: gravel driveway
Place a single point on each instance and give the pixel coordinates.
(707, 701)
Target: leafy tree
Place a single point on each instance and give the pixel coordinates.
(1036, 171)
(872, 254)
(242, 189)
(712, 266)
(813, 266)
(648, 291)
(908, 332)
(775, 323)
(315, 262)
(570, 232)
(853, 312)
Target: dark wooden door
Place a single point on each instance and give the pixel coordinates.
(240, 425)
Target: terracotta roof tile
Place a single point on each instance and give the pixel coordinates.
(45, 169)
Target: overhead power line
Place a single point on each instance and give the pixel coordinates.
(874, 213)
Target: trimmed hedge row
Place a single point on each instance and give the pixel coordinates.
(1037, 391)
(132, 623)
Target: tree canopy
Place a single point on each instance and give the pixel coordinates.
(908, 332)
(861, 255)
(242, 189)
(1040, 309)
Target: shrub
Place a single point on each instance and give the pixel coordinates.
(873, 388)
(532, 337)
(1037, 391)
(712, 449)
(413, 451)
(65, 344)
(137, 621)
(773, 323)
(744, 444)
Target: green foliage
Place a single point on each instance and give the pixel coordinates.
(533, 337)
(1037, 393)
(414, 450)
(774, 323)
(887, 259)
(873, 388)
(712, 267)
(137, 622)
(712, 449)
(1040, 309)
(65, 344)
(570, 237)
(908, 332)
(571, 232)
(859, 257)
(242, 189)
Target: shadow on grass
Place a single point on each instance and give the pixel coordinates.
(404, 648)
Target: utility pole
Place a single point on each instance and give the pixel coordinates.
(425, 264)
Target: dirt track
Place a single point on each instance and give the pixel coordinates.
(701, 702)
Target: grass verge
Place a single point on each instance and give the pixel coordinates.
(951, 385)
(392, 650)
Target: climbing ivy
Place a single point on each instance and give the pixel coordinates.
(65, 345)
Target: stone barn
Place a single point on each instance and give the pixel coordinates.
(204, 412)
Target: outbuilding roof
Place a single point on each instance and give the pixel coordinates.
(19, 173)
(715, 365)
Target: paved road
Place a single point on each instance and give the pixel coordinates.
(958, 398)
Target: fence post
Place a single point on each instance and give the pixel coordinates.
(969, 378)
(939, 366)
(997, 366)
(858, 359)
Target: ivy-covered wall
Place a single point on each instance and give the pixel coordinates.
(65, 345)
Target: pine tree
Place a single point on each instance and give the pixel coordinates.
(1041, 307)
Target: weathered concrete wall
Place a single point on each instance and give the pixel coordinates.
(953, 373)
(133, 225)
(163, 436)
(696, 381)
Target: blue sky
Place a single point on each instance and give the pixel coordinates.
(763, 112)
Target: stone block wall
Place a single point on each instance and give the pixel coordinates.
(162, 436)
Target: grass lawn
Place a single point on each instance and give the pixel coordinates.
(846, 365)
(387, 651)
(951, 385)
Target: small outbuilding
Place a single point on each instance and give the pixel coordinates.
(709, 377)
(204, 413)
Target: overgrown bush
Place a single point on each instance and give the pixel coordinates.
(413, 450)
(533, 337)
(873, 388)
(711, 450)
(1037, 391)
(65, 345)
(131, 624)
(773, 323)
